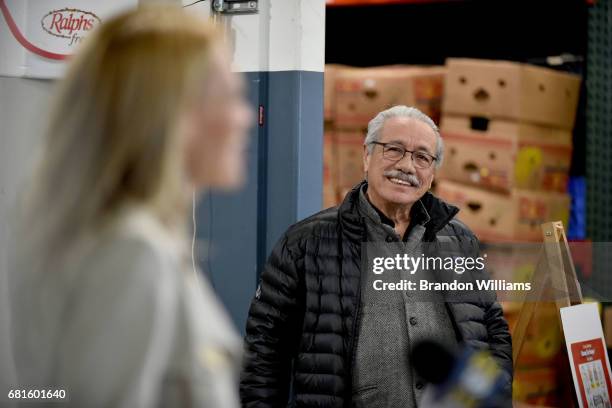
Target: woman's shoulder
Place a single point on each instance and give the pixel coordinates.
(138, 226)
(134, 250)
(141, 230)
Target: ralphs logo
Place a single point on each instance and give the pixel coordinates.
(69, 23)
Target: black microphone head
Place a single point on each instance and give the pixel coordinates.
(432, 361)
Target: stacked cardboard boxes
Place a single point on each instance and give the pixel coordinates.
(507, 130)
(330, 155)
(353, 96)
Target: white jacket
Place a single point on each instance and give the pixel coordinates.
(124, 323)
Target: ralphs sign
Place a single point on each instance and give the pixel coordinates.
(48, 31)
(69, 23)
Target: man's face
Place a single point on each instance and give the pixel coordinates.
(383, 173)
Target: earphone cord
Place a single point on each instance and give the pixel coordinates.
(193, 238)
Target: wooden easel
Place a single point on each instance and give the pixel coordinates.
(555, 270)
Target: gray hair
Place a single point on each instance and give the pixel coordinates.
(376, 124)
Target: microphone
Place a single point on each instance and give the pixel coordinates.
(468, 378)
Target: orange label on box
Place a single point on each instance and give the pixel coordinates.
(531, 211)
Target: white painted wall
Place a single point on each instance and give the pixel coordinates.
(23, 109)
(286, 35)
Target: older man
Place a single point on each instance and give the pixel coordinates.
(318, 334)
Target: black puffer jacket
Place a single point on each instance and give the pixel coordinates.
(301, 328)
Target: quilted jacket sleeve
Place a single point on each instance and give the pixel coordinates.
(500, 342)
(272, 332)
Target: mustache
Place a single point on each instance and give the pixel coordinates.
(407, 177)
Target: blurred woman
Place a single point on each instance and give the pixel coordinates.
(105, 303)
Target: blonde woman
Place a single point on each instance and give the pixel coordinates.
(105, 304)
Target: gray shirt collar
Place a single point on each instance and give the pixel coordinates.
(418, 213)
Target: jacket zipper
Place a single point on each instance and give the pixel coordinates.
(356, 323)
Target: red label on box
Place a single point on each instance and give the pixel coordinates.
(592, 372)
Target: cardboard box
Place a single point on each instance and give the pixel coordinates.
(507, 155)
(512, 217)
(538, 386)
(329, 81)
(513, 263)
(360, 94)
(330, 197)
(349, 147)
(607, 325)
(543, 344)
(510, 90)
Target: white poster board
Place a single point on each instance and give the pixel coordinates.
(586, 349)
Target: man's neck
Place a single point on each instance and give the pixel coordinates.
(398, 213)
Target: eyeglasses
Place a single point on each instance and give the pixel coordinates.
(396, 153)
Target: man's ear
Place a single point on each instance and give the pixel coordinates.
(366, 159)
(431, 181)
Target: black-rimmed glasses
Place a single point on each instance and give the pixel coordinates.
(396, 153)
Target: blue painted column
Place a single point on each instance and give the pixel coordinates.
(281, 53)
(295, 145)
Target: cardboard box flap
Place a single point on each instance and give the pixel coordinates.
(524, 132)
(511, 90)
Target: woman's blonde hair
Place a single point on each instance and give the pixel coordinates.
(113, 135)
